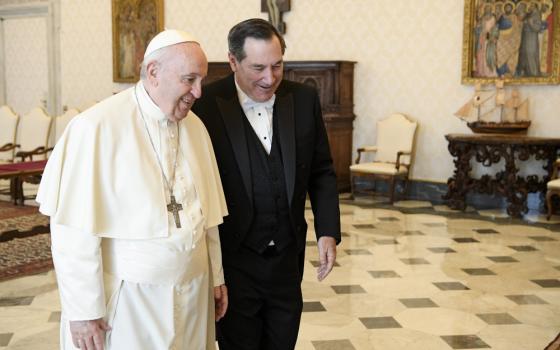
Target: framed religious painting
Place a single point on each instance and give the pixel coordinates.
(517, 41)
(135, 23)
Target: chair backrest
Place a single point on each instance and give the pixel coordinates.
(34, 130)
(395, 133)
(8, 129)
(62, 121)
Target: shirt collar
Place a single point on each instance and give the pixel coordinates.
(148, 106)
(247, 103)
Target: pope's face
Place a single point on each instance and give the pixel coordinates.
(177, 80)
(260, 72)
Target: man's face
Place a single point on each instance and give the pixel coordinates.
(177, 80)
(260, 72)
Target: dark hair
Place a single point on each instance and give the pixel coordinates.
(251, 28)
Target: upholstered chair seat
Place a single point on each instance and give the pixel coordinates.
(393, 153)
(378, 168)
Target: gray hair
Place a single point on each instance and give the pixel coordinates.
(158, 56)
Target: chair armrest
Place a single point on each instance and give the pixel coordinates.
(399, 154)
(555, 168)
(36, 152)
(8, 147)
(365, 149)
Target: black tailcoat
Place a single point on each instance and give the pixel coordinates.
(305, 153)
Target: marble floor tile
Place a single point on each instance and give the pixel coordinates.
(548, 283)
(418, 303)
(543, 239)
(502, 259)
(55, 316)
(486, 231)
(479, 272)
(384, 274)
(343, 344)
(440, 321)
(380, 322)
(465, 342)
(523, 248)
(406, 277)
(349, 289)
(498, 318)
(517, 336)
(5, 338)
(466, 240)
(17, 301)
(441, 250)
(415, 261)
(527, 299)
(357, 251)
(450, 285)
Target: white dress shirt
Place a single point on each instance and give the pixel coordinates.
(259, 115)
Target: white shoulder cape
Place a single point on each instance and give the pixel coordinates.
(103, 177)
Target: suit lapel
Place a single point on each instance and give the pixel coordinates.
(284, 111)
(232, 115)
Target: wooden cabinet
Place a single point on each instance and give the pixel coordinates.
(334, 81)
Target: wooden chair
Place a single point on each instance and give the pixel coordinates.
(8, 131)
(62, 121)
(553, 187)
(33, 135)
(394, 153)
(33, 138)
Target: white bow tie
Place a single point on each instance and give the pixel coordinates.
(248, 103)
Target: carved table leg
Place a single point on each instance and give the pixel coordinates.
(458, 185)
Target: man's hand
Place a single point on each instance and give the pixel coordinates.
(221, 301)
(327, 256)
(89, 335)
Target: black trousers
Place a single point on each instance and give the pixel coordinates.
(265, 301)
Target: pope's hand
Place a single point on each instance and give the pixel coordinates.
(89, 335)
(221, 301)
(327, 256)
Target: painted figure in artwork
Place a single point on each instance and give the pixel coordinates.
(529, 52)
(486, 43)
(509, 39)
(512, 38)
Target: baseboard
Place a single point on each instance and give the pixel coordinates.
(434, 192)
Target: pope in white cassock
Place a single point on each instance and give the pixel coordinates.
(134, 196)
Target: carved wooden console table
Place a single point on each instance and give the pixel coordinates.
(489, 149)
(334, 81)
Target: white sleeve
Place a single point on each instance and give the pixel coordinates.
(215, 252)
(79, 272)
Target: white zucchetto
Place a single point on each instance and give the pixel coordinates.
(167, 38)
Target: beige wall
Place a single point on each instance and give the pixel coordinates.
(408, 55)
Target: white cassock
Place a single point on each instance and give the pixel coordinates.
(116, 249)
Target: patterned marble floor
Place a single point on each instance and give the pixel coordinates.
(411, 275)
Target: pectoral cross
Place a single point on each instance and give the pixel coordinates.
(174, 208)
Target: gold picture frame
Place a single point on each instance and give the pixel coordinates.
(135, 23)
(517, 41)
